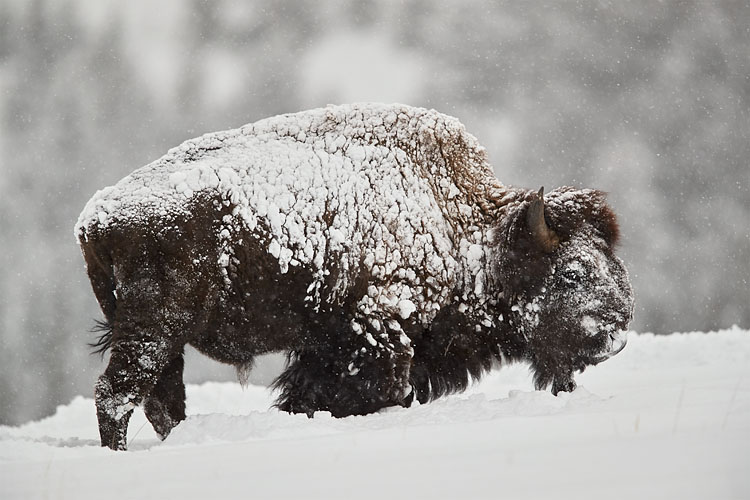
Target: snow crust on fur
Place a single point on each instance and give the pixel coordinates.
(379, 186)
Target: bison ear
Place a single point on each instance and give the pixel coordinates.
(545, 237)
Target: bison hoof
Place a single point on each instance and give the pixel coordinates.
(566, 385)
(113, 436)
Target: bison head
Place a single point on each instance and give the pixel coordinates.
(567, 292)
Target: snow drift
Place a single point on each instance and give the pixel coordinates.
(667, 418)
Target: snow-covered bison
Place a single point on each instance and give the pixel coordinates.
(370, 242)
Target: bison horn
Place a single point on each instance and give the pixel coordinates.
(543, 235)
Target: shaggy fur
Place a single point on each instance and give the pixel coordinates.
(400, 268)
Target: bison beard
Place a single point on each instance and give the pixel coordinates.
(370, 242)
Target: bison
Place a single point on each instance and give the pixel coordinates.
(372, 243)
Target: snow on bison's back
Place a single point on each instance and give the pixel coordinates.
(371, 242)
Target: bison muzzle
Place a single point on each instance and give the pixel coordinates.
(370, 242)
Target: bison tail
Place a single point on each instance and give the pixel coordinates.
(101, 275)
(104, 341)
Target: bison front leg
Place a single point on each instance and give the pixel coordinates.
(563, 384)
(357, 371)
(555, 372)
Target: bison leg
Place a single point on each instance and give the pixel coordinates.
(156, 316)
(133, 370)
(362, 369)
(113, 417)
(564, 384)
(553, 372)
(165, 405)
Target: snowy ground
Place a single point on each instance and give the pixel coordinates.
(667, 418)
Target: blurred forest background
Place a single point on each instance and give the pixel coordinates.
(648, 100)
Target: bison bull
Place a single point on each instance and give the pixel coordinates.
(370, 242)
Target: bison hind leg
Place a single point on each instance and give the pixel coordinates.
(133, 371)
(165, 405)
(113, 417)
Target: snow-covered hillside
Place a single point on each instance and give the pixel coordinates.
(669, 417)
